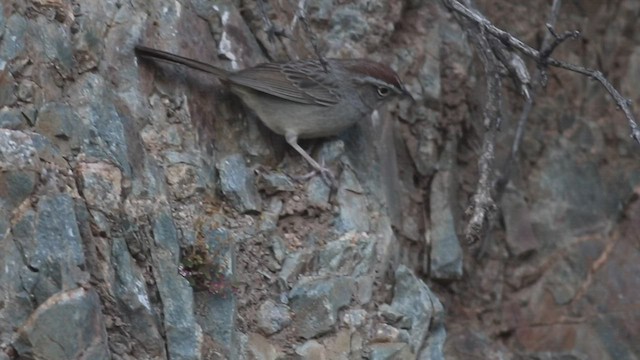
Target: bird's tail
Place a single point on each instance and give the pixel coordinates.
(147, 52)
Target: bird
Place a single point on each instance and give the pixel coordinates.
(304, 99)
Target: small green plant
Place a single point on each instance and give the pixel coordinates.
(200, 267)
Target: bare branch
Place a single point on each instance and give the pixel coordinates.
(495, 47)
(546, 41)
(313, 39)
(271, 30)
(488, 27)
(300, 15)
(540, 77)
(558, 39)
(482, 206)
(540, 58)
(623, 103)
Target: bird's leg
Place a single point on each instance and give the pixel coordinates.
(327, 175)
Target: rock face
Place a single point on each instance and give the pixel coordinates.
(146, 214)
(316, 304)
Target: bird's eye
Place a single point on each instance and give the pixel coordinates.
(383, 91)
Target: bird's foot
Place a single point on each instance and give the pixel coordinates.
(325, 173)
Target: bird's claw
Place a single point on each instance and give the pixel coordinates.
(325, 173)
(328, 177)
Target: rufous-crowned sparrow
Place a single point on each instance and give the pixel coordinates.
(305, 99)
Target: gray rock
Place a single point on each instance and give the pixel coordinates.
(48, 153)
(26, 91)
(13, 42)
(242, 346)
(352, 254)
(520, 238)
(29, 113)
(354, 318)
(185, 180)
(238, 184)
(101, 222)
(5, 222)
(318, 192)
(217, 312)
(101, 186)
(2, 23)
(586, 202)
(413, 299)
(87, 48)
(391, 351)
(11, 119)
(114, 51)
(316, 303)
(293, 264)
(353, 215)
(245, 50)
(16, 186)
(384, 333)
(182, 332)
(272, 264)
(165, 235)
(405, 337)
(311, 350)
(52, 41)
(89, 41)
(425, 150)
(274, 182)
(55, 250)
(564, 280)
(18, 151)
(61, 126)
(475, 341)
(172, 135)
(175, 157)
(364, 289)
(38, 286)
(389, 314)
(269, 218)
(446, 252)
(385, 248)
(320, 10)
(259, 348)
(133, 300)
(15, 282)
(69, 325)
(331, 151)
(433, 348)
(217, 315)
(461, 53)
(348, 23)
(107, 129)
(344, 345)
(278, 248)
(555, 355)
(429, 75)
(273, 317)
(629, 87)
(357, 346)
(7, 90)
(220, 243)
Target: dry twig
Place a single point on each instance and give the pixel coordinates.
(543, 59)
(482, 204)
(496, 48)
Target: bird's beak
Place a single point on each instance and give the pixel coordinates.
(407, 94)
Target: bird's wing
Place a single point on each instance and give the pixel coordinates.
(302, 81)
